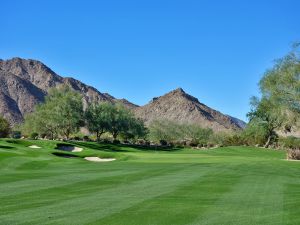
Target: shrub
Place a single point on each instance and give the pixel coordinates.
(116, 141)
(179, 144)
(219, 139)
(293, 154)
(192, 143)
(140, 142)
(233, 140)
(106, 141)
(76, 138)
(200, 146)
(289, 142)
(256, 134)
(34, 136)
(4, 128)
(174, 132)
(16, 134)
(163, 142)
(211, 145)
(86, 138)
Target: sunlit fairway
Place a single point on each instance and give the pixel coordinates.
(232, 185)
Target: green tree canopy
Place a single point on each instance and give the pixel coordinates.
(122, 121)
(60, 115)
(115, 119)
(281, 86)
(97, 118)
(279, 105)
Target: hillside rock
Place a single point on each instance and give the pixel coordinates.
(181, 107)
(25, 82)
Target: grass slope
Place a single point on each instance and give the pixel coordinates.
(233, 185)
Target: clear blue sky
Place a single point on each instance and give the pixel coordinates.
(215, 50)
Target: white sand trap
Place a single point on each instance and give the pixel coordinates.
(33, 146)
(76, 149)
(97, 159)
(70, 148)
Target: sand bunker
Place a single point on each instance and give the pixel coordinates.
(97, 159)
(70, 148)
(33, 146)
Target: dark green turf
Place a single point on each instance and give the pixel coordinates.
(232, 186)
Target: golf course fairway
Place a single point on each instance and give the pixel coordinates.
(224, 186)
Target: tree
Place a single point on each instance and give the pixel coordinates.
(266, 115)
(281, 85)
(116, 119)
(119, 120)
(4, 128)
(42, 121)
(68, 108)
(136, 129)
(279, 106)
(97, 118)
(60, 115)
(255, 133)
(164, 130)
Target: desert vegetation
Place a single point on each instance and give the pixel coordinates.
(62, 115)
(4, 128)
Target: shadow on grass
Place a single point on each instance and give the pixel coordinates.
(6, 147)
(152, 148)
(64, 155)
(122, 147)
(24, 143)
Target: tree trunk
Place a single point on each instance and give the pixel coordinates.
(115, 135)
(99, 134)
(268, 142)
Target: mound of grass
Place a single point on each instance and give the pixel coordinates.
(64, 155)
(24, 143)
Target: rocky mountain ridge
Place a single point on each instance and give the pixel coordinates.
(181, 107)
(25, 82)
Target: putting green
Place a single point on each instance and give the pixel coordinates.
(232, 186)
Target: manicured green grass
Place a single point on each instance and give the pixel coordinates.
(232, 186)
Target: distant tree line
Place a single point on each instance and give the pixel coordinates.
(62, 115)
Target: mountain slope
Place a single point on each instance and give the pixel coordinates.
(180, 107)
(24, 83)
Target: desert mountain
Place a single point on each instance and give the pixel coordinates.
(182, 107)
(24, 83)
